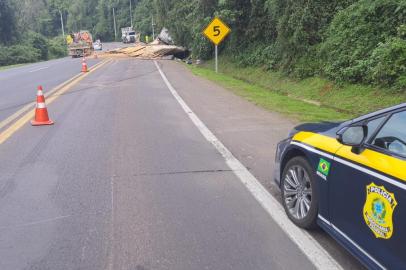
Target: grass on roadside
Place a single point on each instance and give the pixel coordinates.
(11, 66)
(275, 92)
(270, 100)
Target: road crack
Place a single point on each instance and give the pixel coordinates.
(182, 172)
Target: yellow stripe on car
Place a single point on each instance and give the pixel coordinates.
(321, 142)
(375, 160)
(378, 161)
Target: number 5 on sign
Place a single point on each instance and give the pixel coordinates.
(216, 31)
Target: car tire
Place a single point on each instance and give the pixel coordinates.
(295, 200)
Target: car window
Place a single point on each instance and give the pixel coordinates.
(373, 125)
(392, 136)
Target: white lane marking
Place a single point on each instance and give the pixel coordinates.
(352, 165)
(26, 67)
(39, 222)
(38, 69)
(307, 244)
(111, 248)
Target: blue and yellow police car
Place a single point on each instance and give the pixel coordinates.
(350, 179)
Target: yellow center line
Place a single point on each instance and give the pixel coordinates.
(52, 97)
(14, 116)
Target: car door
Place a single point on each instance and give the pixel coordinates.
(367, 195)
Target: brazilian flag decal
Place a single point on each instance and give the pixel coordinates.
(324, 167)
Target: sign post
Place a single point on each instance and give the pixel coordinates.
(216, 31)
(216, 56)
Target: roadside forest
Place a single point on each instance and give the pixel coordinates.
(345, 41)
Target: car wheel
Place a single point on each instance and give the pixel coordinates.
(299, 193)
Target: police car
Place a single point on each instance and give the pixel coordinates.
(350, 179)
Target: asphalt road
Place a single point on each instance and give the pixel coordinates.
(249, 132)
(124, 180)
(19, 84)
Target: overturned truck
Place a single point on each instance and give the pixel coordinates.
(150, 51)
(160, 48)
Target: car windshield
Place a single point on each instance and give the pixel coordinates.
(392, 136)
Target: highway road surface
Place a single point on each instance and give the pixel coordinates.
(131, 176)
(18, 85)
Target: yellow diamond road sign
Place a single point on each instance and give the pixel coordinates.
(216, 31)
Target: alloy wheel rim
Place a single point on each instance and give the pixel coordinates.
(297, 192)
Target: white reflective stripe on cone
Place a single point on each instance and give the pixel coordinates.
(39, 93)
(41, 105)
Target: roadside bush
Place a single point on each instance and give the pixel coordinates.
(18, 54)
(38, 42)
(258, 55)
(200, 45)
(57, 47)
(361, 35)
(308, 65)
(388, 63)
(202, 48)
(3, 56)
(401, 82)
(251, 56)
(34, 49)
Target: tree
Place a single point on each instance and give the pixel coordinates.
(7, 23)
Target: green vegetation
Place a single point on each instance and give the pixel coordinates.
(311, 99)
(25, 34)
(35, 48)
(17, 17)
(11, 66)
(31, 31)
(346, 41)
(366, 43)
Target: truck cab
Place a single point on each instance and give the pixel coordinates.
(128, 35)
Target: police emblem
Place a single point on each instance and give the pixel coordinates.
(378, 211)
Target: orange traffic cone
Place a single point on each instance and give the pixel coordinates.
(84, 65)
(41, 112)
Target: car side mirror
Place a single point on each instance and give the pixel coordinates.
(354, 136)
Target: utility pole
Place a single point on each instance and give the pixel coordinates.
(131, 14)
(63, 30)
(153, 28)
(115, 26)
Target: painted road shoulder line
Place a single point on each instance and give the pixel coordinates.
(316, 254)
(7, 133)
(30, 105)
(38, 69)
